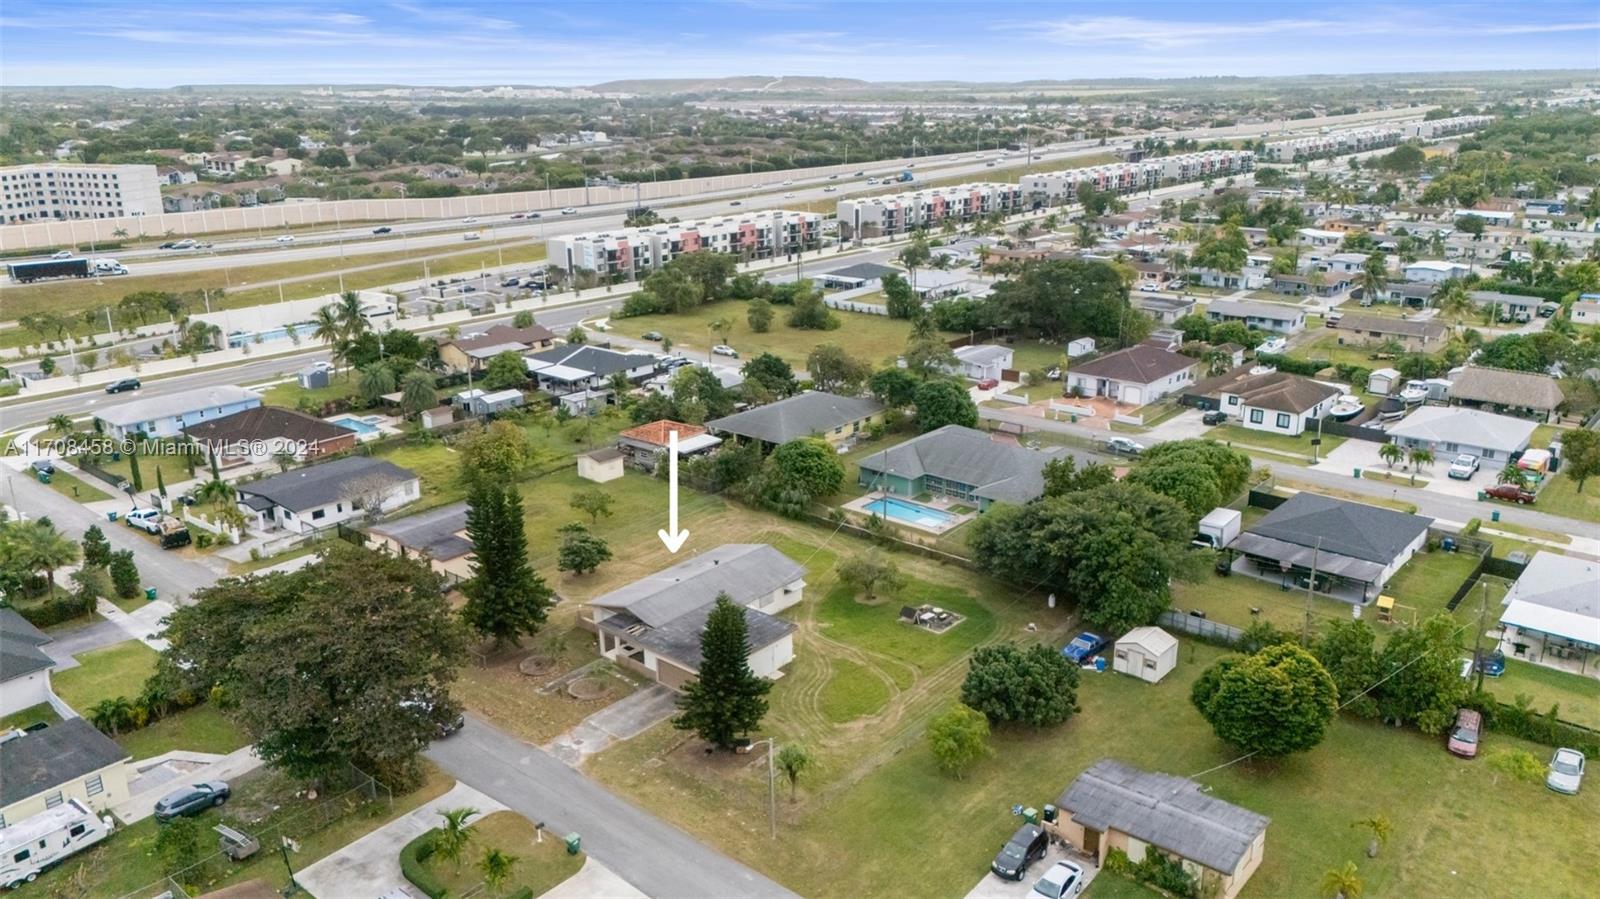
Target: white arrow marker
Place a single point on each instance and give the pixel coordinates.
(672, 537)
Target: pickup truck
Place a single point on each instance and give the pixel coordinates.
(147, 520)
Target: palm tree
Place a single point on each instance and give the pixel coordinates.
(351, 319)
(454, 834)
(37, 546)
(120, 233)
(1374, 277)
(1380, 827)
(282, 458)
(111, 715)
(496, 867)
(1342, 883)
(61, 424)
(1391, 453)
(377, 379)
(1419, 456)
(1510, 474)
(1217, 361)
(417, 393)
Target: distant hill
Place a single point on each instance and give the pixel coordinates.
(783, 83)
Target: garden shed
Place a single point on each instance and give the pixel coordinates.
(1147, 653)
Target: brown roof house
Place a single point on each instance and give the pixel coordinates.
(473, 352)
(1528, 394)
(645, 445)
(1117, 806)
(1135, 376)
(1277, 402)
(1415, 336)
(258, 435)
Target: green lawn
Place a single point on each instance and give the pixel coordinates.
(1228, 600)
(874, 339)
(1280, 443)
(1578, 696)
(876, 628)
(1398, 478)
(289, 393)
(1326, 346)
(71, 485)
(202, 728)
(31, 715)
(436, 465)
(1028, 355)
(1561, 497)
(118, 670)
(853, 691)
(167, 456)
(540, 866)
(1428, 581)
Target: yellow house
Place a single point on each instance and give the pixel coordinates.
(836, 419)
(67, 760)
(438, 535)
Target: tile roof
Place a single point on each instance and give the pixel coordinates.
(744, 571)
(1000, 471)
(265, 423)
(1141, 364)
(1357, 530)
(655, 432)
(1170, 813)
(802, 415)
(1507, 388)
(318, 485)
(44, 759)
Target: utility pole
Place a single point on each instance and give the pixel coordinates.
(1311, 586)
(1477, 641)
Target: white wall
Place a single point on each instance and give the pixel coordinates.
(22, 692)
(766, 662)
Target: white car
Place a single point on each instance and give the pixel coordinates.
(1147, 287)
(61, 254)
(285, 238)
(788, 196)
(829, 189)
(723, 349)
(1124, 446)
(1566, 771)
(1063, 881)
(787, 183)
(471, 235)
(147, 520)
(1464, 467)
(469, 220)
(569, 211)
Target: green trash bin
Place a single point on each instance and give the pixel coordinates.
(1482, 496)
(44, 477)
(1495, 515)
(150, 594)
(1030, 815)
(1357, 473)
(111, 516)
(574, 843)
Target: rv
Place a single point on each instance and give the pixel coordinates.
(35, 844)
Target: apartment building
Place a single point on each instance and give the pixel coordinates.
(1054, 188)
(1460, 124)
(59, 191)
(630, 253)
(865, 217)
(1333, 143)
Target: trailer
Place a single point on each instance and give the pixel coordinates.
(26, 272)
(32, 845)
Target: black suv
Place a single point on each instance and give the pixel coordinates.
(1025, 847)
(1214, 417)
(123, 385)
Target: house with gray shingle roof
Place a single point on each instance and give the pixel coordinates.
(70, 759)
(1447, 431)
(653, 625)
(438, 535)
(320, 496)
(24, 667)
(1354, 548)
(958, 462)
(814, 413)
(1117, 806)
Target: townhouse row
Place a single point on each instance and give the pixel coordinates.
(882, 216)
(1334, 143)
(1054, 188)
(629, 253)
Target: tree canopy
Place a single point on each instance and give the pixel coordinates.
(1275, 702)
(727, 699)
(1062, 299)
(1036, 685)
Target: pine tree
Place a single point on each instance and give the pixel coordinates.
(161, 484)
(96, 548)
(506, 598)
(133, 470)
(727, 699)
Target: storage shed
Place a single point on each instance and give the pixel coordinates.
(601, 465)
(1147, 653)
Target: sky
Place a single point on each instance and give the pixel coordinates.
(453, 42)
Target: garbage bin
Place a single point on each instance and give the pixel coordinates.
(1050, 813)
(1495, 515)
(1357, 473)
(150, 594)
(44, 477)
(111, 516)
(574, 843)
(1030, 815)
(1482, 495)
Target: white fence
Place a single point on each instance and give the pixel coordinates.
(231, 534)
(1070, 409)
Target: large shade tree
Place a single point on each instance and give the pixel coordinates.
(1275, 702)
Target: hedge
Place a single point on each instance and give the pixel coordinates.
(1292, 366)
(53, 611)
(414, 865)
(1520, 720)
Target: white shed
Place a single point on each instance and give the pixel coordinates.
(1147, 653)
(1383, 382)
(1083, 346)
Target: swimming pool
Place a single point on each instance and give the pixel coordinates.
(910, 513)
(351, 423)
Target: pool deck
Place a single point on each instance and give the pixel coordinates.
(942, 504)
(379, 425)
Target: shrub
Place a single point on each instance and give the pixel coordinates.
(414, 864)
(54, 611)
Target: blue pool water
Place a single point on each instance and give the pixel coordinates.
(910, 513)
(351, 423)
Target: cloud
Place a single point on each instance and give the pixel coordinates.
(1164, 34)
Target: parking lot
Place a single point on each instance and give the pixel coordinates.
(993, 887)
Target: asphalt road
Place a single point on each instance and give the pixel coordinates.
(652, 855)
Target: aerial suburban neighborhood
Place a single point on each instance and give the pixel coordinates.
(487, 451)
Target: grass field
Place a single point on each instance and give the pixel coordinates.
(1561, 497)
(1229, 600)
(76, 488)
(163, 455)
(540, 866)
(1281, 443)
(118, 670)
(30, 715)
(1327, 346)
(1578, 696)
(874, 339)
(202, 728)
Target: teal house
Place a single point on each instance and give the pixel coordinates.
(960, 463)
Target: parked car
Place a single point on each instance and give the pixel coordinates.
(385, 229)
(147, 520)
(1214, 417)
(1566, 771)
(1025, 847)
(1492, 664)
(44, 466)
(192, 800)
(285, 238)
(1512, 493)
(988, 384)
(650, 335)
(1124, 446)
(1332, 319)
(1063, 881)
(449, 728)
(830, 189)
(61, 254)
(1085, 646)
(1464, 736)
(123, 386)
(1464, 467)
(1548, 309)
(723, 349)
(1147, 287)
(569, 211)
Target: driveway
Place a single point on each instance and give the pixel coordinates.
(641, 848)
(992, 886)
(150, 787)
(627, 718)
(370, 867)
(593, 881)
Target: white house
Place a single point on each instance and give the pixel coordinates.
(24, 667)
(1586, 312)
(1449, 430)
(981, 361)
(1135, 376)
(1552, 612)
(653, 625)
(169, 414)
(321, 496)
(1147, 653)
(1433, 271)
(1275, 317)
(1278, 402)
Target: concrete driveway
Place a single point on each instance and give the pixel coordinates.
(622, 720)
(370, 867)
(593, 881)
(994, 887)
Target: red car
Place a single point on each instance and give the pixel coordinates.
(1511, 493)
(988, 384)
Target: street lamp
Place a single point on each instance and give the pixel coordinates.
(772, 787)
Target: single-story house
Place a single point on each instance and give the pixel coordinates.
(983, 360)
(1356, 547)
(167, 415)
(258, 435)
(1274, 317)
(653, 625)
(958, 462)
(1409, 293)
(1507, 302)
(489, 402)
(1418, 336)
(1586, 312)
(645, 444)
(1165, 310)
(473, 352)
(1434, 271)
(1552, 612)
(1116, 806)
(70, 759)
(24, 667)
(814, 413)
(850, 277)
(1135, 376)
(1326, 284)
(569, 369)
(438, 535)
(1449, 430)
(1147, 653)
(601, 465)
(1277, 402)
(320, 496)
(1530, 394)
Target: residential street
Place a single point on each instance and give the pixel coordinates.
(650, 854)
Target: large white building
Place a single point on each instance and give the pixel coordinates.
(1334, 143)
(880, 216)
(1127, 177)
(1445, 127)
(629, 253)
(60, 190)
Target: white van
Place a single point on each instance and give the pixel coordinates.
(33, 844)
